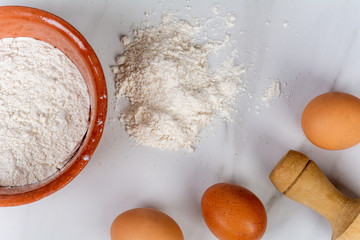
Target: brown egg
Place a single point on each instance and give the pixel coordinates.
(332, 121)
(233, 212)
(144, 224)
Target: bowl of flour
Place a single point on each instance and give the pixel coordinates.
(53, 103)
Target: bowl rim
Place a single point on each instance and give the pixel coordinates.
(98, 111)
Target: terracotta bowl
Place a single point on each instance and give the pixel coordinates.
(16, 21)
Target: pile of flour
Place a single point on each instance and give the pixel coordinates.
(44, 110)
(172, 92)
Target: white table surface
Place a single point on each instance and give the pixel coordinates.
(309, 46)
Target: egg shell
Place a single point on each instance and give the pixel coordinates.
(332, 121)
(145, 223)
(233, 212)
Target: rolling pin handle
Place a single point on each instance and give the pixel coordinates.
(300, 179)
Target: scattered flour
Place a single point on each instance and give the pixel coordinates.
(44, 110)
(272, 92)
(215, 9)
(230, 20)
(172, 92)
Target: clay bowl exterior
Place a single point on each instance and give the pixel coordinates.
(16, 21)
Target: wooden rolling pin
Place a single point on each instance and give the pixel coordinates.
(301, 179)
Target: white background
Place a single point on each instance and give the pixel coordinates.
(311, 47)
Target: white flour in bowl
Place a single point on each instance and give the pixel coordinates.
(173, 93)
(44, 110)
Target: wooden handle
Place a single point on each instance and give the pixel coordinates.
(301, 179)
